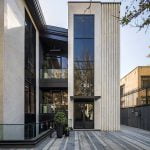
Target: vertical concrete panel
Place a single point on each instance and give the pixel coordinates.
(97, 76)
(1, 63)
(37, 83)
(14, 54)
(13, 108)
(1, 57)
(70, 67)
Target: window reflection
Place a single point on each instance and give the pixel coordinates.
(84, 115)
(84, 48)
(84, 83)
(30, 75)
(84, 26)
(54, 67)
(145, 81)
(30, 70)
(84, 55)
(53, 101)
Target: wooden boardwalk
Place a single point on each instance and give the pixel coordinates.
(127, 139)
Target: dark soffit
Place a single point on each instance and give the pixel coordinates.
(47, 31)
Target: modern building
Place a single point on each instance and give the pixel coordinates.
(45, 69)
(135, 98)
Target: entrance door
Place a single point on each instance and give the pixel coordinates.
(83, 115)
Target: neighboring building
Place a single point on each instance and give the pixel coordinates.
(134, 87)
(45, 69)
(135, 98)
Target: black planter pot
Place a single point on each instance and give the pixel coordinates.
(59, 130)
(67, 133)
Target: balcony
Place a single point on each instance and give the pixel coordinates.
(54, 74)
(53, 78)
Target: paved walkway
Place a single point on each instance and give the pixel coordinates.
(127, 139)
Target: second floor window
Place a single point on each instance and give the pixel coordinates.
(145, 81)
(55, 62)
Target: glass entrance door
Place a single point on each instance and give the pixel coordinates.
(83, 115)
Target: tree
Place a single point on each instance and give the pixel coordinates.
(138, 12)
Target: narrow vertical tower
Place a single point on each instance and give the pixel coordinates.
(94, 65)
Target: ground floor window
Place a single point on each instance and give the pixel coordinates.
(53, 101)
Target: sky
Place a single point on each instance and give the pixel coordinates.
(135, 44)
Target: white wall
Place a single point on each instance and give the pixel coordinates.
(107, 62)
(14, 55)
(1, 62)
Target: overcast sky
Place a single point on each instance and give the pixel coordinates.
(134, 44)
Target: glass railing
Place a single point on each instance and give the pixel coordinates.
(52, 108)
(53, 73)
(23, 131)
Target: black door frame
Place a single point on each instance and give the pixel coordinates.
(84, 101)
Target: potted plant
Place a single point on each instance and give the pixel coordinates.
(60, 120)
(67, 131)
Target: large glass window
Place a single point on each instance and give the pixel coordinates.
(55, 67)
(53, 101)
(84, 55)
(30, 71)
(84, 26)
(83, 49)
(30, 78)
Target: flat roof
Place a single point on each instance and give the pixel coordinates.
(107, 2)
(133, 70)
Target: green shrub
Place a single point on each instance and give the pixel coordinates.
(60, 118)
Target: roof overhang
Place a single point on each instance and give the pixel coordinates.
(36, 13)
(85, 97)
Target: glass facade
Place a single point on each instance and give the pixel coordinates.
(54, 67)
(83, 55)
(53, 101)
(30, 74)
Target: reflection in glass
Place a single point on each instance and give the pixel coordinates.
(84, 55)
(84, 26)
(30, 75)
(84, 115)
(84, 83)
(54, 67)
(54, 73)
(52, 63)
(84, 48)
(145, 81)
(53, 101)
(64, 63)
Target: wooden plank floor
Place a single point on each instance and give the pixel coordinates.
(127, 138)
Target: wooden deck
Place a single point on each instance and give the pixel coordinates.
(127, 138)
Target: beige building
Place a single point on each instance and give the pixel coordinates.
(93, 65)
(134, 87)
